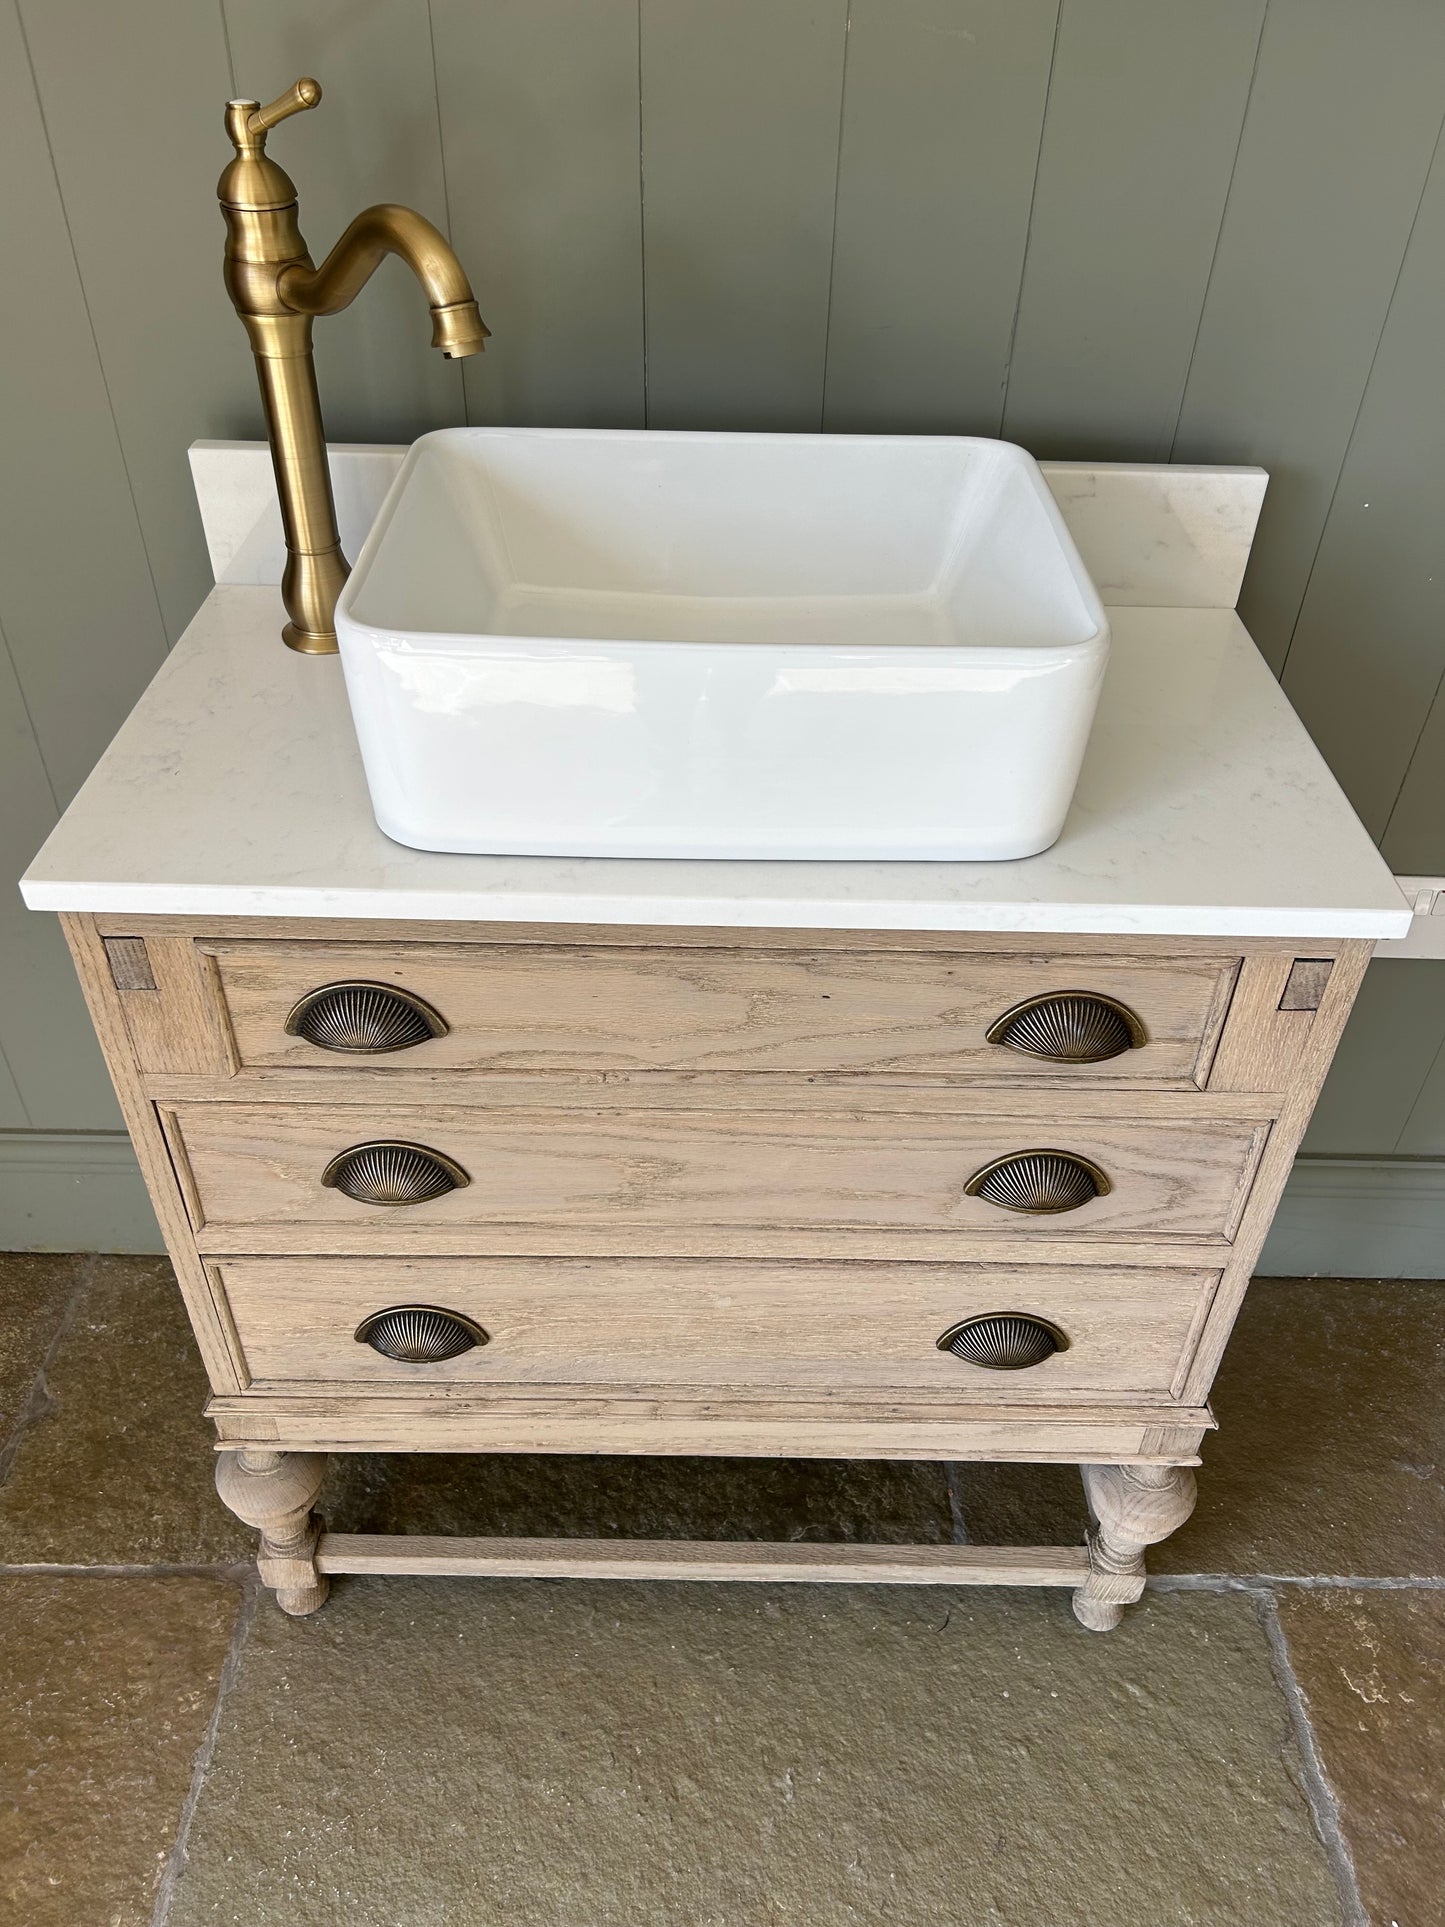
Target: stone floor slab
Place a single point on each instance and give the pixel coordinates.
(107, 1687)
(662, 1498)
(1371, 1666)
(119, 1469)
(1328, 1457)
(35, 1289)
(562, 1755)
(1022, 1505)
(1328, 1460)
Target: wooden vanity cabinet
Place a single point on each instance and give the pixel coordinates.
(512, 1188)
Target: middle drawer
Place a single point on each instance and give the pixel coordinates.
(340, 1165)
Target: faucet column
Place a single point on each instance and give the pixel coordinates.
(276, 289)
(258, 204)
(316, 569)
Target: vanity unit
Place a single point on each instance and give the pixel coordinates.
(895, 1160)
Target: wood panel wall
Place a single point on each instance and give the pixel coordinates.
(1110, 228)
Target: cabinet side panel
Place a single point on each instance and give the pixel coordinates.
(103, 1000)
(1309, 1039)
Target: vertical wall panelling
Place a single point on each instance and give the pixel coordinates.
(78, 614)
(539, 121)
(1415, 841)
(26, 809)
(1424, 1133)
(133, 97)
(740, 114)
(76, 599)
(1388, 525)
(1341, 124)
(373, 138)
(12, 1111)
(1369, 647)
(1146, 104)
(50, 1052)
(942, 109)
(1395, 1030)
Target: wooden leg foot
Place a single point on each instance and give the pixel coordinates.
(1133, 1506)
(274, 1492)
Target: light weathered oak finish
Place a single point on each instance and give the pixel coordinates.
(531, 1007)
(717, 1206)
(244, 1165)
(275, 1491)
(108, 1007)
(1133, 1507)
(376, 1552)
(715, 1327)
(737, 1425)
(130, 964)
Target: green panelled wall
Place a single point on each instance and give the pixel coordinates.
(1121, 228)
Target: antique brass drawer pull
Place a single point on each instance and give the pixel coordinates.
(364, 1019)
(1069, 1027)
(1039, 1182)
(391, 1172)
(419, 1334)
(1004, 1341)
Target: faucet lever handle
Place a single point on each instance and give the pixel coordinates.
(305, 93)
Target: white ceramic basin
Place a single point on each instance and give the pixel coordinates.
(562, 642)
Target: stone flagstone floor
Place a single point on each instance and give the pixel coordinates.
(1261, 1742)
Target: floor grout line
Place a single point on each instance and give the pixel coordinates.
(953, 1479)
(1303, 1582)
(1324, 1807)
(38, 1401)
(236, 1571)
(205, 1754)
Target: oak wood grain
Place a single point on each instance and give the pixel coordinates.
(733, 1428)
(398, 931)
(541, 1007)
(180, 1026)
(714, 1327)
(245, 1165)
(107, 1013)
(690, 1559)
(1308, 1046)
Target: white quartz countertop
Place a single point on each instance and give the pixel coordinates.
(235, 789)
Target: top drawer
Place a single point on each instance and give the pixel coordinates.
(511, 1007)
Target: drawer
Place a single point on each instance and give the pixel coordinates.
(812, 1328)
(248, 1165)
(491, 1007)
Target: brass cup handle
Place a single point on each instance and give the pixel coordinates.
(389, 1171)
(1004, 1341)
(364, 1019)
(1039, 1182)
(1069, 1027)
(420, 1334)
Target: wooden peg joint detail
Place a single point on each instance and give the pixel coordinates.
(1305, 985)
(130, 963)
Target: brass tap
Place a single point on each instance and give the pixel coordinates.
(277, 289)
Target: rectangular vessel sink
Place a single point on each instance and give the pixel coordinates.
(566, 642)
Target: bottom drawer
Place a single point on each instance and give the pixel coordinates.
(708, 1326)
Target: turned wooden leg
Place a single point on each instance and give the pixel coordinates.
(274, 1491)
(1134, 1506)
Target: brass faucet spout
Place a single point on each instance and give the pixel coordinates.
(457, 327)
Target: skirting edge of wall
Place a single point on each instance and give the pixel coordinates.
(1340, 1217)
(1359, 1218)
(73, 1191)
